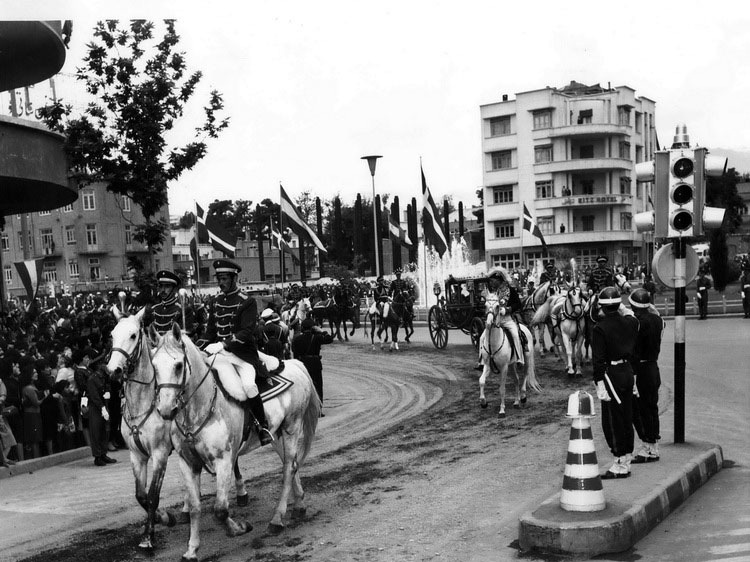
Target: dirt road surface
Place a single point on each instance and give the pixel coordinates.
(406, 467)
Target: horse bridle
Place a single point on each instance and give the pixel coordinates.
(130, 358)
(580, 305)
(490, 326)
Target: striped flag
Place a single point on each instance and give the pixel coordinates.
(431, 223)
(281, 242)
(397, 234)
(297, 222)
(30, 273)
(209, 230)
(530, 224)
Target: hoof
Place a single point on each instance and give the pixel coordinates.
(171, 519)
(183, 518)
(275, 529)
(523, 400)
(501, 414)
(483, 403)
(186, 558)
(146, 544)
(517, 405)
(299, 513)
(242, 500)
(242, 528)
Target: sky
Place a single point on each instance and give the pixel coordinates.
(311, 87)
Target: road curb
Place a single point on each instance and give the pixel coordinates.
(623, 522)
(27, 467)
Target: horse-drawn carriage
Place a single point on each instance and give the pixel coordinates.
(462, 307)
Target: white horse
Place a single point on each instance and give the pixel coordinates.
(294, 316)
(208, 422)
(568, 317)
(496, 355)
(532, 304)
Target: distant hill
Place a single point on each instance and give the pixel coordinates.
(738, 159)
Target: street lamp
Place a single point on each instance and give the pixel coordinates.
(371, 161)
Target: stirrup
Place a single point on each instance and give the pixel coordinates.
(264, 435)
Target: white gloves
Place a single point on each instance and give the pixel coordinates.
(601, 392)
(106, 396)
(501, 311)
(212, 348)
(105, 414)
(635, 392)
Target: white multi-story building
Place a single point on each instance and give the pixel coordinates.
(569, 155)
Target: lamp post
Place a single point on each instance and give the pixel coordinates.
(371, 161)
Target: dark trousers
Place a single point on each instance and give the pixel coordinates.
(98, 432)
(746, 301)
(315, 368)
(703, 304)
(646, 405)
(617, 419)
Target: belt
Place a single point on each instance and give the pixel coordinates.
(618, 362)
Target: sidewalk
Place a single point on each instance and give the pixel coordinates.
(27, 467)
(634, 505)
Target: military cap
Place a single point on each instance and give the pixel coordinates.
(307, 324)
(398, 271)
(497, 272)
(609, 296)
(602, 259)
(226, 266)
(166, 276)
(550, 264)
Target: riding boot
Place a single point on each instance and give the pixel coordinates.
(261, 424)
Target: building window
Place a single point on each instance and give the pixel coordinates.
(91, 237)
(128, 235)
(49, 271)
(584, 116)
(543, 119)
(638, 122)
(546, 224)
(45, 213)
(587, 187)
(89, 200)
(500, 126)
(587, 222)
(545, 189)
(8, 273)
(125, 203)
(533, 259)
(70, 235)
(625, 150)
(625, 184)
(502, 194)
(48, 241)
(505, 229)
(587, 257)
(73, 269)
(94, 270)
(626, 221)
(30, 239)
(501, 159)
(68, 208)
(586, 151)
(5, 241)
(508, 261)
(623, 115)
(542, 154)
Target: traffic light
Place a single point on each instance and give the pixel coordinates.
(684, 178)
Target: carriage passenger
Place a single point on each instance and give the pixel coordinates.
(232, 326)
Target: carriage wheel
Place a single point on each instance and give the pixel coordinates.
(476, 329)
(438, 327)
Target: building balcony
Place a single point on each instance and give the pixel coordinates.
(584, 165)
(502, 142)
(92, 251)
(590, 130)
(592, 200)
(587, 236)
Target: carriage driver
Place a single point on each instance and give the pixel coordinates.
(168, 309)
(506, 295)
(232, 326)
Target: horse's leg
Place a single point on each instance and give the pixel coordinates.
(503, 377)
(159, 458)
(579, 353)
(519, 383)
(192, 478)
(140, 472)
(224, 472)
(239, 485)
(288, 451)
(482, 382)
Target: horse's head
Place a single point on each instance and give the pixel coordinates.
(622, 283)
(574, 303)
(171, 361)
(126, 343)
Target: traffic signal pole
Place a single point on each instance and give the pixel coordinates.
(680, 281)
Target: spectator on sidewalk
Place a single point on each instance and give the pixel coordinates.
(7, 440)
(32, 397)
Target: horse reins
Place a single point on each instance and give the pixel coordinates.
(491, 354)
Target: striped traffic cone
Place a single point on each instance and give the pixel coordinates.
(582, 487)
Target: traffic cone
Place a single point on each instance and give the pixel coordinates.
(582, 487)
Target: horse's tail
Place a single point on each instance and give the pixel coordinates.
(310, 423)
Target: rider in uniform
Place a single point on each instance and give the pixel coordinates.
(613, 343)
(702, 285)
(274, 337)
(380, 294)
(647, 378)
(168, 309)
(506, 295)
(398, 285)
(550, 273)
(601, 277)
(232, 326)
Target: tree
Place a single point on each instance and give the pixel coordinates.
(120, 138)
(236, 217)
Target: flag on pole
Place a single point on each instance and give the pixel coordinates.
(281, 242)
(30, 273)
(530, 224)
(297, 222)
(431, 223)
(397, 234)
(210, 231)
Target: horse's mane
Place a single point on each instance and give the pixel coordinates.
(543, 312)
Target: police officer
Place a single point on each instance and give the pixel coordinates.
(702, 285)
(647, 379)
(306, 348)
(168, 309)
(612, 347)
(232, 326)
(274, 335)
(550, 273)
(507, 297)
(745, 288)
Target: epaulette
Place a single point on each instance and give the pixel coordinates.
(243, 296)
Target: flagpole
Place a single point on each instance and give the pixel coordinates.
(197, 250)
(281, 233)
(520, 223)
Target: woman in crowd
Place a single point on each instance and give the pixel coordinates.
(32, 401)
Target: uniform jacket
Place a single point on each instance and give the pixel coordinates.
(600, 277)
(166, 312)
(380, 293)
(233, 320)
(550, 276)
(307, 344)
(703, 284)
(648, 343)
(398, 286)
(507, 297)
(95, 389)
(614, 339)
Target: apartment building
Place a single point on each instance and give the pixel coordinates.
(86, 245)
(569, 155)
